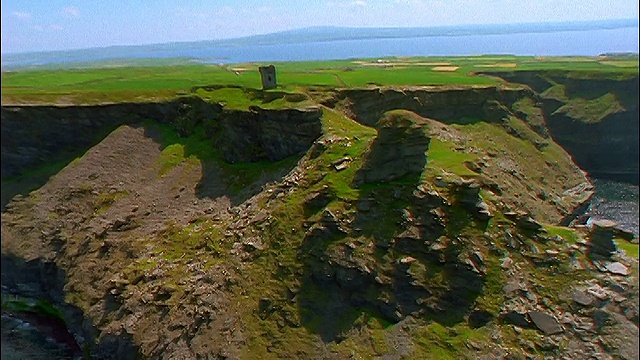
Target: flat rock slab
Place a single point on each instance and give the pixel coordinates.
(617, 268)
(582, 298)
(545, 322)
(604, 224)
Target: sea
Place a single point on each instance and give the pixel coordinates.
(561, 43)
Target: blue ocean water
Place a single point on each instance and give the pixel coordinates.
(584, 43)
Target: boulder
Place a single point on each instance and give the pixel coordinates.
(601, 238)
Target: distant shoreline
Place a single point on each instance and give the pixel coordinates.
(540, 39)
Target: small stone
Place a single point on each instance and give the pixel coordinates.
(598, 292)
(516, 318)
(511, 286)
(341, 163)
(439, 182)
(407, 260)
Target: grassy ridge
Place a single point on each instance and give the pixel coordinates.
(145, 82)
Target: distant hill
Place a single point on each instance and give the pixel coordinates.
(192, 50)
(317, 34)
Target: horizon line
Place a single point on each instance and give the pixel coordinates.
(257, 36)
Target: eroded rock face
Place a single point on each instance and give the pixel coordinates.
(388, 273)
(33, 135)
(273, 135)
(398, 150)
(452, 105)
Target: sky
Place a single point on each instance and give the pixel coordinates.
(46, 25)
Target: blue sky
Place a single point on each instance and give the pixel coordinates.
(42, 25)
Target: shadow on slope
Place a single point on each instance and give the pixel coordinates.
(53, 161)
(237, 182)
(375, 257)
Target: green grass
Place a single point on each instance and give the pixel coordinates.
(147, 80)
(435, 341)
(104, 201)
(567, 234)
(243, 98)
(627, 247)
(443, 157)
(592, 111)
(171, 156)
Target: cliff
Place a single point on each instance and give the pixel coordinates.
(593, 116)
(33, 136)
(381, 223)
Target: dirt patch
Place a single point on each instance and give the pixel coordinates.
(445, 68)
(400, 63)
(504, 65)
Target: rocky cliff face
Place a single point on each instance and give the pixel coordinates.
(271, 135)
(593, 116)
(427, 223)
(450, 105)
(33, 135)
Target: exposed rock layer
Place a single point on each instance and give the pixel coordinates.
(33, 135)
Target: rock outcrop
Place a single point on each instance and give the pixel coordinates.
(449, 105)
(399, 150)
(367, 247)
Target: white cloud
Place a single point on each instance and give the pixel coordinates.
(21, 14)
(71, 11)
(359, 3)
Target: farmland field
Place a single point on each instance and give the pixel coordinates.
(149, 80)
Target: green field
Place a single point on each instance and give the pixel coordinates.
(149, 80)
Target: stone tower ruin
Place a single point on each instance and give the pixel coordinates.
(268, 74)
